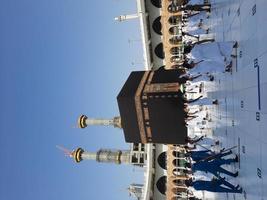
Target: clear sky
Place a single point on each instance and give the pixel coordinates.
(60, 59)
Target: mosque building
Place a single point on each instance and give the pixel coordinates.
(163, 164)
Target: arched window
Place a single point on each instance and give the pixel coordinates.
(176, 162)
(175, 59)
(175, 50)
(178, 182)
(175, 40)
(178, 190)
(176, 172)
(174, 30)
(157, 25)
(180, 163)
(175, 154)
(156, 3)
(161, 185)
(179, 172)
(159, 51)
(178, 154)
(162, 158)
(174, 20)
(173, 8)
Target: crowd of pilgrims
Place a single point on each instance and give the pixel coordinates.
(202, 164)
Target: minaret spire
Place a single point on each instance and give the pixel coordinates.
(67, 152)
(84, 121)
(122, 18)
(103, 155)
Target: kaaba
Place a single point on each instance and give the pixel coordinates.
(152, 108)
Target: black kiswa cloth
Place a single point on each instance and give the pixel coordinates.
(151, 108)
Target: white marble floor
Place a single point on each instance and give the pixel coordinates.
(241, 116)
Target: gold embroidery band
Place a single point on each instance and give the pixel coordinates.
(138, 107)
(150, 77)
(162, 87)
(146, 114)
(148, 131)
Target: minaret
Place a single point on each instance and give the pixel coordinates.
(103, 155)
(84, 121)
(122, 18)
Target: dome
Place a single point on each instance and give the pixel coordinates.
(162, 159)
(161, 185)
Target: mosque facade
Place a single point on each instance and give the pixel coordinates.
(161, 155)
(163, 162)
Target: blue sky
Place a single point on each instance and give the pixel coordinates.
(60, 59)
